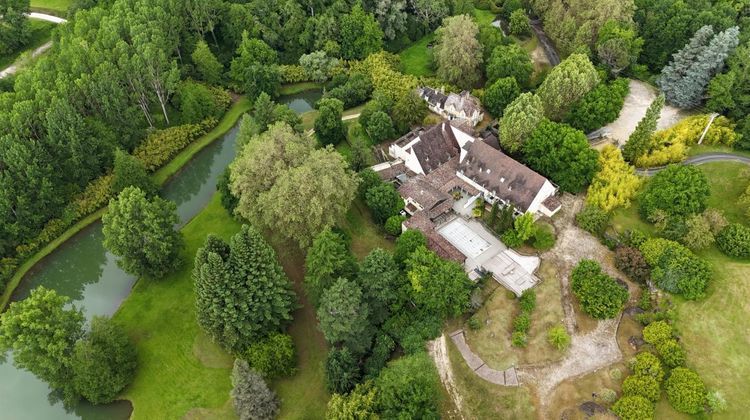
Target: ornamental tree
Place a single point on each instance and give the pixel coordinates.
(639, 141)
(646, 364)
(41, 332)
(328, 259)
(380, 127)
(242, 293)
(141, 232)
(616, 182)
(251, 397)
(568, 82)
(254, 68)
(519, 23)
(103, 362)
(407, 243)
(678, 190)
(409, 388)
(563, 154)
(328, 125)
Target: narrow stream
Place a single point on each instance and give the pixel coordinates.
(84, 271)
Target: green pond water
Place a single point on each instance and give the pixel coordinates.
(84, 271)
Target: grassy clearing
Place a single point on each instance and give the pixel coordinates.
(417, 58)
(483, 17)
(308, 118)
(41, 32)
(52, 7)
(173, 374)
(295, 88)
(492, 341)
(484, 400)
(700, 149)
(712, 329)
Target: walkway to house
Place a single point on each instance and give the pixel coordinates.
(507, 377)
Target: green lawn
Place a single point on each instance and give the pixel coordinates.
(41, 32)
(308, 118)
(417, 58)
(713, 330)
(483, 17)
(52, 7)
(179, 368)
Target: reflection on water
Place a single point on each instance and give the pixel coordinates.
(84, 271)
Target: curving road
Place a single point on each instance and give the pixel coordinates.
(13, 68)
(699, 160)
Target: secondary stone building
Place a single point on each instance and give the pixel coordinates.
(462, 107)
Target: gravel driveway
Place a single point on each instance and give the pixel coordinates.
(639, 98)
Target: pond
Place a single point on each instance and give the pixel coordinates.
(84, 271)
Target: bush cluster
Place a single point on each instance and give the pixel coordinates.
(734, 240)
(163, 145)
(675, 268)
(600, 295)
(292, 73)
(522, 321)
(593, 219)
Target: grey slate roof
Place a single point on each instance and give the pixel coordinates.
(501, 175)
(437, 146)
(433, 97)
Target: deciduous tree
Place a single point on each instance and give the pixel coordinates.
(499, 95)
(409, 388)
(510, 61)
(616, 182)
(254, 68)
(457, 52)
(568, 82)
(206, 63)
(438, 285)
(360, 34)
(328, 125)
(141, 231)
(520, 119)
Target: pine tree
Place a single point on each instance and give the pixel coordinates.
(251, 397)
(344, 316)
(685, 79)
(638, 142)
(242, 294)
(706, 66)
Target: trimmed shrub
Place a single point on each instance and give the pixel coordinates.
(522, 323)
(644, 385)
(631, 261)
(593, 220)
(519, 339)
(734, 240)
(671, 352)
(558, 337)
(544, 237)
(600, 295)
(685, 391)
(647, 364)
(599, 107)
(393, 224)
(273, 356)
(633, 408)
(656, 332)
(527, 301)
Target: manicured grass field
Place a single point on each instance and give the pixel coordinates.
(713, 330)
(417, 58)
(41, 32)
(294, 88)
(179, 368)
(483, 17)
(52, 7)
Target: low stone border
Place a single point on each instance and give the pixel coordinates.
(507, 377)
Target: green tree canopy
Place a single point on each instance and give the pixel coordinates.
(104, 362)
(344, 316)
(568, 82)
(328, 259)
(599, 294)
(563, 154)
(685, 391)
(242, 293)
(254, 68)
(130, 172)
(457, 52)
(499, 95)
(438, 285)
(141, 231)
(678, 190)
(510, 61)
(209, 68)
(520, 119)
(384, 201)
(328, 125)
(360, 34)
(409, 388)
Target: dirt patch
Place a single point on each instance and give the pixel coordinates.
(638, 100)
(439, 351)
